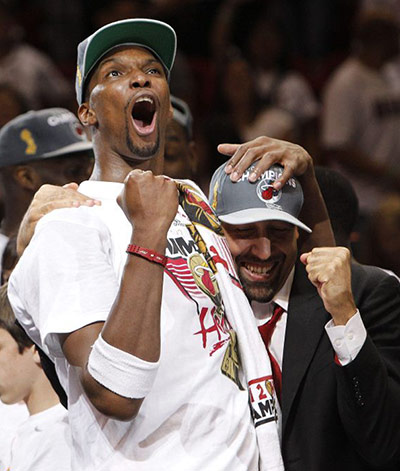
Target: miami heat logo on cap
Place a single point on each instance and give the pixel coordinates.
(267, 193)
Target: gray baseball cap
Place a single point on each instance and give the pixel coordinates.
(43, 134)
(182, 115)
(156, 36)
(245, 202)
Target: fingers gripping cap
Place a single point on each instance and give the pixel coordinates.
(154, 35)
(245, 202)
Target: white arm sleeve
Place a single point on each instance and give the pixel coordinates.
(347, 340)
(65, 279)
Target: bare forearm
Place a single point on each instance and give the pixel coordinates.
(134, 321)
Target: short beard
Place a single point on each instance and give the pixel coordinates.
(261, 292)
(258, 292)
(146, 152)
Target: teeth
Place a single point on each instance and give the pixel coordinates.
(145, 98)
(258, 269)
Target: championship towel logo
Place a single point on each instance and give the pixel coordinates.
(198, 210)
(231, 363)
(204, 278)
(262, 400)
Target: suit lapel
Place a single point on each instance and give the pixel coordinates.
(305, 326)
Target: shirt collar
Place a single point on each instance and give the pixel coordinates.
(100, 189)
(282, 296)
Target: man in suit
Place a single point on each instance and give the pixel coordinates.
(337, 342)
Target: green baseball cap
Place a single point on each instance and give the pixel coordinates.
(156, 36)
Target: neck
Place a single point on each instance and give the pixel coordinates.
(15, 205)
(42, 396)
(116, 170)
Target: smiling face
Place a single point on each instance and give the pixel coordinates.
(264, 253)
(128, 107)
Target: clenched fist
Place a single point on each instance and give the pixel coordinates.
(329, 270)
(149, 202)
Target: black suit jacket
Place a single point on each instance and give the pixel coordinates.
(342, 418)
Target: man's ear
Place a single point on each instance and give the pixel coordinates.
(86, 115)
(27, 177)
(32, 352)
(36, 356)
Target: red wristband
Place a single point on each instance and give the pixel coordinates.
(148, 254)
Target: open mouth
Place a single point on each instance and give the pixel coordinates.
(258, 272)
(143, 114)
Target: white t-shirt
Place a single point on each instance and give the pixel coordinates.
(362, 110)
(43, 442)
(195, 418)
(11, 416)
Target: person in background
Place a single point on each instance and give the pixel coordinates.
(38, 147)
(9, 259)
(12, 104)
(274, 99)
(379, 245)
(12, 415)
(31, 72)
(43, 441)
(180, 156)
(382, 244)
(361, 114)
(342, 204)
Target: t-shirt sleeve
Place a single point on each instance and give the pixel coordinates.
(65, 279)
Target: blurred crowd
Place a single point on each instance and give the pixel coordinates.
(325, 75)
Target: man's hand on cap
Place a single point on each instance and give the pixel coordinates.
(268, 151)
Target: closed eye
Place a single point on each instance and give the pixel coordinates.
(243, 233)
